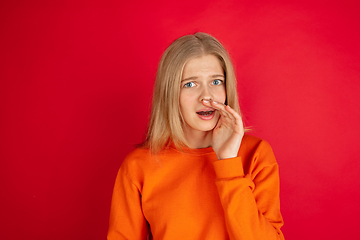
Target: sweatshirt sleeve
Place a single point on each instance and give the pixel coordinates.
(251, 201)
(126, 218)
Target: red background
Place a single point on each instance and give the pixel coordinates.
(75, 87)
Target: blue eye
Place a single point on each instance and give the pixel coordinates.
(189, 84)
(217, 82)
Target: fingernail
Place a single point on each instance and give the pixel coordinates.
(206, 101)
(215, 102)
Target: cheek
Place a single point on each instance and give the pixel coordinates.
(187, 98)
(184, 103)
(220, 95)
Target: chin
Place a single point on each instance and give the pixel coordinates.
(207, 127)
(202, 126)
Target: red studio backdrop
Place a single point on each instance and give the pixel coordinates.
(76, 82)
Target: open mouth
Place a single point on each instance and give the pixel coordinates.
(205, 113)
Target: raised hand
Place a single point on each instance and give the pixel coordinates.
(228, 132)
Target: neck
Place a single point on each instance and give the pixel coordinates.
(198, 139)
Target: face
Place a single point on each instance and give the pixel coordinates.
(203, 78)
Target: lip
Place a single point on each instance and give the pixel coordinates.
(211, 116)
(206, 109)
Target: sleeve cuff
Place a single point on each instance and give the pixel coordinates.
(229, 168)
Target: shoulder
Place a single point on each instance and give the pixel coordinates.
(138, 154)
(136, 157)
(134, 163)
(141, 160)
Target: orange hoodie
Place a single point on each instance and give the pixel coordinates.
(191, 195)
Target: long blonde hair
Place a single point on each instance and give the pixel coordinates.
(166, 123)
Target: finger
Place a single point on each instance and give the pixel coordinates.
(230, 113)
(217, 106)
(224, 111)
(235, 115)
(219, 123)
(220, 107)
(227, 116)
(205, 102)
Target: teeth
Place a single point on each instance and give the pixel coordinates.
(205, 113)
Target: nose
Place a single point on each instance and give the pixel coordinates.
(205, 94)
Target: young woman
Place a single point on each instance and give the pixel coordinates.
(197, 176)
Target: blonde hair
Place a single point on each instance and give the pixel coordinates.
(166, 123)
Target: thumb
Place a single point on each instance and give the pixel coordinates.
(219, 123)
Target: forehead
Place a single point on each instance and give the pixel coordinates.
(207, 64)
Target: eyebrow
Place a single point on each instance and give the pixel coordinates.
(195, 77)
